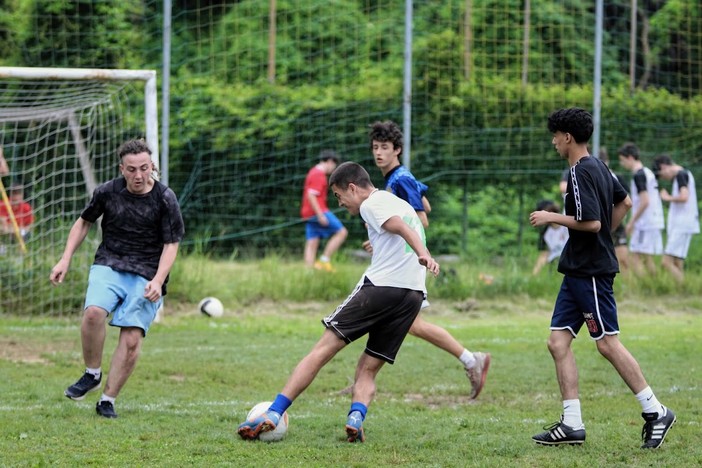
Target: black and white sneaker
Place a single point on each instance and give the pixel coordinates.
(655, 429)
(558, 434)
(105, 409)
(87, 383)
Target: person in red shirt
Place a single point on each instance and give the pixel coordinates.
(22, 210)
(320, 222)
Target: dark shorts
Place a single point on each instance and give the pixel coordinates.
(619, 236)
(587, 300)
(384, 313)
(314, 230)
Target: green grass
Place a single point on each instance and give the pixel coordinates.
(197, 378)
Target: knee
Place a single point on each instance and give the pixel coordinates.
(556, 347)
(94, 316)
(131, 339)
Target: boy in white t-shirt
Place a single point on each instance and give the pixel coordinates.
(383, 305)
(646, 223)
(683, 215)
(552, 238)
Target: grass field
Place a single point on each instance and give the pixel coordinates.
(197, 378)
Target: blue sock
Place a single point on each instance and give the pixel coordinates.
(281, 404)
(360, 407)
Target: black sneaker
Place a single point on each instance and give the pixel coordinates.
(558, 434)
(87, 383)
(105, 409)
(655, 429)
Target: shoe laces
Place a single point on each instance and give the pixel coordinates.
(550, 427)
(647, 431)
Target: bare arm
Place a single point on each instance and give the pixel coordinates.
(541, 218)
(153, 289)
(4, 169)
(76, 236)
(682, 197)
(318, 211)
(423, 218)
(395, 225)
(619, 211)
(643, 204)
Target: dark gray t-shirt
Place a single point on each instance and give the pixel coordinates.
(134, 227)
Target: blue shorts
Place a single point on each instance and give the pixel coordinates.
(587, 300)
(122, 294)
(314, 230)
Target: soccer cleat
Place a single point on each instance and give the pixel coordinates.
(655, 429)
(559, 434)
(105, 409)
(478, 373)
(354, 428)
(324, 266)
(249, 430)
(87, 383)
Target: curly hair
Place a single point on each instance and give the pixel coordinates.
(134, 146)
(386, 132)
(576, 121)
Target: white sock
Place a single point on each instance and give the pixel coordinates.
(95, 372)
(571, 413)
(649, 402)
(107, 398)
(467, 359)
(324, 259)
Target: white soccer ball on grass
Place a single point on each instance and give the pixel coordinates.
(280, 430)
(211, 306)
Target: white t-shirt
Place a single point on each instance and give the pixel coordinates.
(555, 239)
(684, 217)
(393, 263)
(652, 216)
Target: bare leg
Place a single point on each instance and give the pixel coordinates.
(650, 262)
(124, 359)
(364, 386)
(614, 351)
(674, 266)
(566, 371)
(92, 335)
(622, 252)
(306, 370)
(335, 242)
(311, 246)
(436, 335)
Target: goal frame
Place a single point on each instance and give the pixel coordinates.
(148, 77)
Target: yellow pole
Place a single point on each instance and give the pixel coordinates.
(15, 227)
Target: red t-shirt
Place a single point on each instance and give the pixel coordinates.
(23, 214)
(315, 183)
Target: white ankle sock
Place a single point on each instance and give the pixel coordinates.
(467, 359)
(571, 413)
(107, 398)
(649, 402)
(95, 372)
(324, 259)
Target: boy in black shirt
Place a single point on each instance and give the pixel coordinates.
(594, 203)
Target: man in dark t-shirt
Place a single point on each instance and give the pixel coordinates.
(594, 203)
(141, 230)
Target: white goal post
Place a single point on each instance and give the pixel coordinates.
(60, 129)
(150, 101)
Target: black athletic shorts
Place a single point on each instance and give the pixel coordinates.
(384, 313)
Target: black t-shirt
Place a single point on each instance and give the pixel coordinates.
(134, 227)
(591, 194)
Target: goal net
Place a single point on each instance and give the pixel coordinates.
(59, 132)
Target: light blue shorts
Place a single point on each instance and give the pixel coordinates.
(121, 294)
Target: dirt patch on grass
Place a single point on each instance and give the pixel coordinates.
(29, 351)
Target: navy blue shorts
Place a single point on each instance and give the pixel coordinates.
(588, 300)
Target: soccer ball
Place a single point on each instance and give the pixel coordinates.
(280, 430)
(211, 306)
